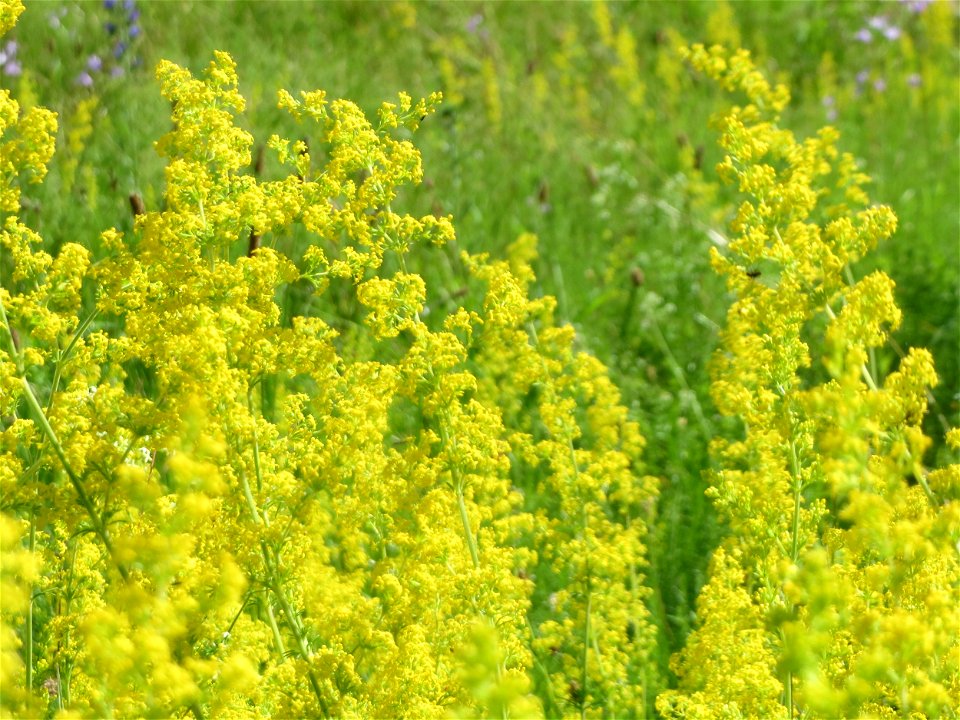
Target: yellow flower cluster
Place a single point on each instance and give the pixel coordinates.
(835, 594)
(213, 507)
(245, 476)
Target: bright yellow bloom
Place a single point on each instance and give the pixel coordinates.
(842, 545)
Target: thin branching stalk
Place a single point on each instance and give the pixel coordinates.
(273, 578)
(40, 418)
(29, 627)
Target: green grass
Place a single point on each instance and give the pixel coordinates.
(613, 191)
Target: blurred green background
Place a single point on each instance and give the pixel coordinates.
(574, 121)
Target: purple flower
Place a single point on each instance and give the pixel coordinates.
(880, 85)
(892, 33)
(8, 59)
(474, 22)
(914, 80)
(54, 17)
(864, 35)
(94, 63)
(84, 79)
(110, 27)
(829, 102)
(134, 15)
(878, 22)
(916, 6)
(119, 49)
(134, 31)
(129, 4)
(116, 71)
(109, 4)
(862, 77)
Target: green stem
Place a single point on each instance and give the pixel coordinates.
(628, 311)
(797, 493)
(295, 629)
(11, 345)
(41, 419)
(551, 701)
(467, 531)
(789, 690)
(256, 442)
(98, 526)
(794, 550)
(248, 495)
(65, 355)
(584, 527)
(680, 376)
(62, 694)
(586, 650)
(64, 686)
(29, 628)
(464, 516)
(458, 483)
(273, 580)
(864, 370)
(301, 644)
(277, 637)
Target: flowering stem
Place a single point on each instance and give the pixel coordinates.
(62, 357)
(789, 691)
(794, 550)
(458, 483)
(256, 443)
(85, 501)
(464, 516)
(277, 638)
(298, 636)
(864, 370)
(468, 533)
(11, 345)
(795, 471)
(586, 648)
(584, 678)
(63, 693)
(273, 581)
(274, 585)
(41, 419)
(248, 495)
(29, 628)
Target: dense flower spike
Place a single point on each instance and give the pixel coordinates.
(835, 594)
(211, 508)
